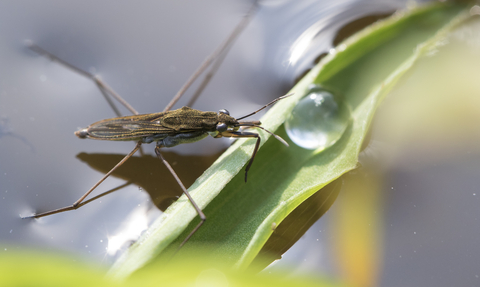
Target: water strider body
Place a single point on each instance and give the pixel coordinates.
(168, 129)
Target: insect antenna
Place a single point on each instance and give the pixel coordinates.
(250, 125)
(269, 104)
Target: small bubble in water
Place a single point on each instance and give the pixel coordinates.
(318, 120)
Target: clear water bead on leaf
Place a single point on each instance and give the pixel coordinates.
(318, 120)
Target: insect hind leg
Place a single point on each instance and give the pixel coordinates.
(80, 202)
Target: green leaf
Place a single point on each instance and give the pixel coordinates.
(33, 268)
(242, 216)
(198, 269)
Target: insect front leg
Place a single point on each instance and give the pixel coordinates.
(245, 135)
(180, 183)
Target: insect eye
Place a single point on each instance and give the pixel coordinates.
(221, 127)
(223, 111)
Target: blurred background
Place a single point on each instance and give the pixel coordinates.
(408, 216)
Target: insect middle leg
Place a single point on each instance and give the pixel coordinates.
(180, 183)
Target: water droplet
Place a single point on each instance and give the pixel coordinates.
(318, 120)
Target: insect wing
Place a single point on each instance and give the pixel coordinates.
(128, 128)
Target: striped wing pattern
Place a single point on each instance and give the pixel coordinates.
(159, 125)
(129, 128)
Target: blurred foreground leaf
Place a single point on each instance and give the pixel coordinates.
(33, 268)
(242, 217)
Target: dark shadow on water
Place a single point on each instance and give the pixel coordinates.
(148, 172)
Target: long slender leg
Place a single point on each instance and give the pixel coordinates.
(103, 86)
(219, 55)
(104, 193)
(77, 203)
(223, 48)
(198, 209)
